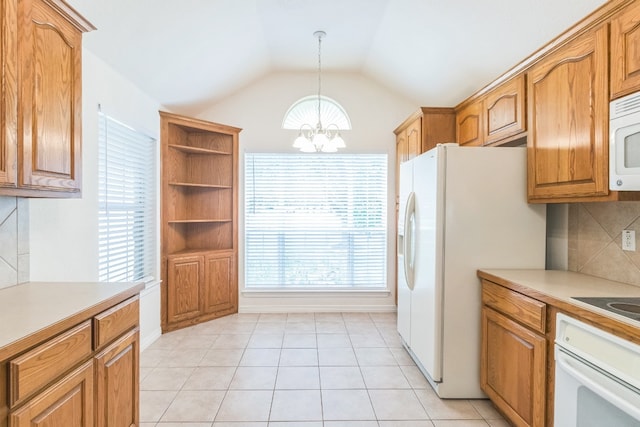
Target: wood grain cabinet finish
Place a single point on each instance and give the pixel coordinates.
(66, 381)
(469, 124)
(625, 51)
(41, 99)
(117, 383)
(220, 288)
(199, 198)
(68, 403)
(504, 111)
(568, 105)
(33, 370)
(513, 368)
(185, 278)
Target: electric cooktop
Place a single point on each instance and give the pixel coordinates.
(628, 307)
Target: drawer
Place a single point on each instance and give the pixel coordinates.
(521, 308)
(112, 323)
(39, 367)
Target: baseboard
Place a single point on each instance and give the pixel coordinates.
(147, 341)
(246, 308)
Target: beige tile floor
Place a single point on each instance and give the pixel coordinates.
(290, 370)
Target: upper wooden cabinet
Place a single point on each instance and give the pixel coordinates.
(568, 114)
(199, 220)
(40, 146)
(469, 129)
(423, 130)
(494, 118)
(504, 111)
(625, 51)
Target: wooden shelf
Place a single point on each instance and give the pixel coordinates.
(198, 221)
(193, 184)
(197, 150)
(187, 252)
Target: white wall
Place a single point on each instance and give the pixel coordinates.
(259, 109)
(64, 233)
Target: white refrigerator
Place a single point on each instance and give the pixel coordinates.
(461, 209)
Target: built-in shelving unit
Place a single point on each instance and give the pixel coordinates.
(199, 220)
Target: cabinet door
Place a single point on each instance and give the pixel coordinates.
(220, 289)
(117, 380)
(469, 125)
(513, 368)
(414, 139)
(568, 120)
(68, 403)
(504, 111)
(185, 275)
(9, 99)
(50, 109)
(625, 51)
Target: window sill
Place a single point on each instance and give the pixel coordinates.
(325, 292)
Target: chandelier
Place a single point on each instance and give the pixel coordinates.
(317, 138)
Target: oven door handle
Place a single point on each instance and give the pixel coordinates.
(585, 375)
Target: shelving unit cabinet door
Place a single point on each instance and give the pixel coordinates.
(625, 49)
(117, 383)
(568, 103)
(185, 276)
(67, 403)
(220, 288)
(513, 368)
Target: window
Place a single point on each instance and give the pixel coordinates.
(305, 111)
(126, 197)
(315, 220)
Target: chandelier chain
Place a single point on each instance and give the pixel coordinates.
(319, 75)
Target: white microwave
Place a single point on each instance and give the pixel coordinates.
(624, 143)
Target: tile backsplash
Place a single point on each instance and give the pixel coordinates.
(14, 241)
(595, 240)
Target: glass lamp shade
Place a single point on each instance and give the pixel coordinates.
(338, 141)
(300, 141)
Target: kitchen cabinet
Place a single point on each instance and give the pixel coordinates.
(81, 371)
(530, 301)
(117, 382)
(199, 198)
(504, 111)
(625, 49)
(513, 354)
(69, 403)
(567, 150)
(469, 124)
(41, 105)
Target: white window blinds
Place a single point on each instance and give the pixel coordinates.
(315, 220)
(126, 197)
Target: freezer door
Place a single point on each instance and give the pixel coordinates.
(404, 293)
(426, 298)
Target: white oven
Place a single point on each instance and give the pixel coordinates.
(597, 377)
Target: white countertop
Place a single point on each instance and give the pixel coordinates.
(28, 308)
(554, 286)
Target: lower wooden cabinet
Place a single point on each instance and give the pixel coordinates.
(86, 376)
(513, 368)
(200, 286)
(117, 383)
(68, 403)
(513, 356)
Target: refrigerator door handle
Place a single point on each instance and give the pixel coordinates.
(409, 239)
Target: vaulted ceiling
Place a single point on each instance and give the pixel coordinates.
(434, 52)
